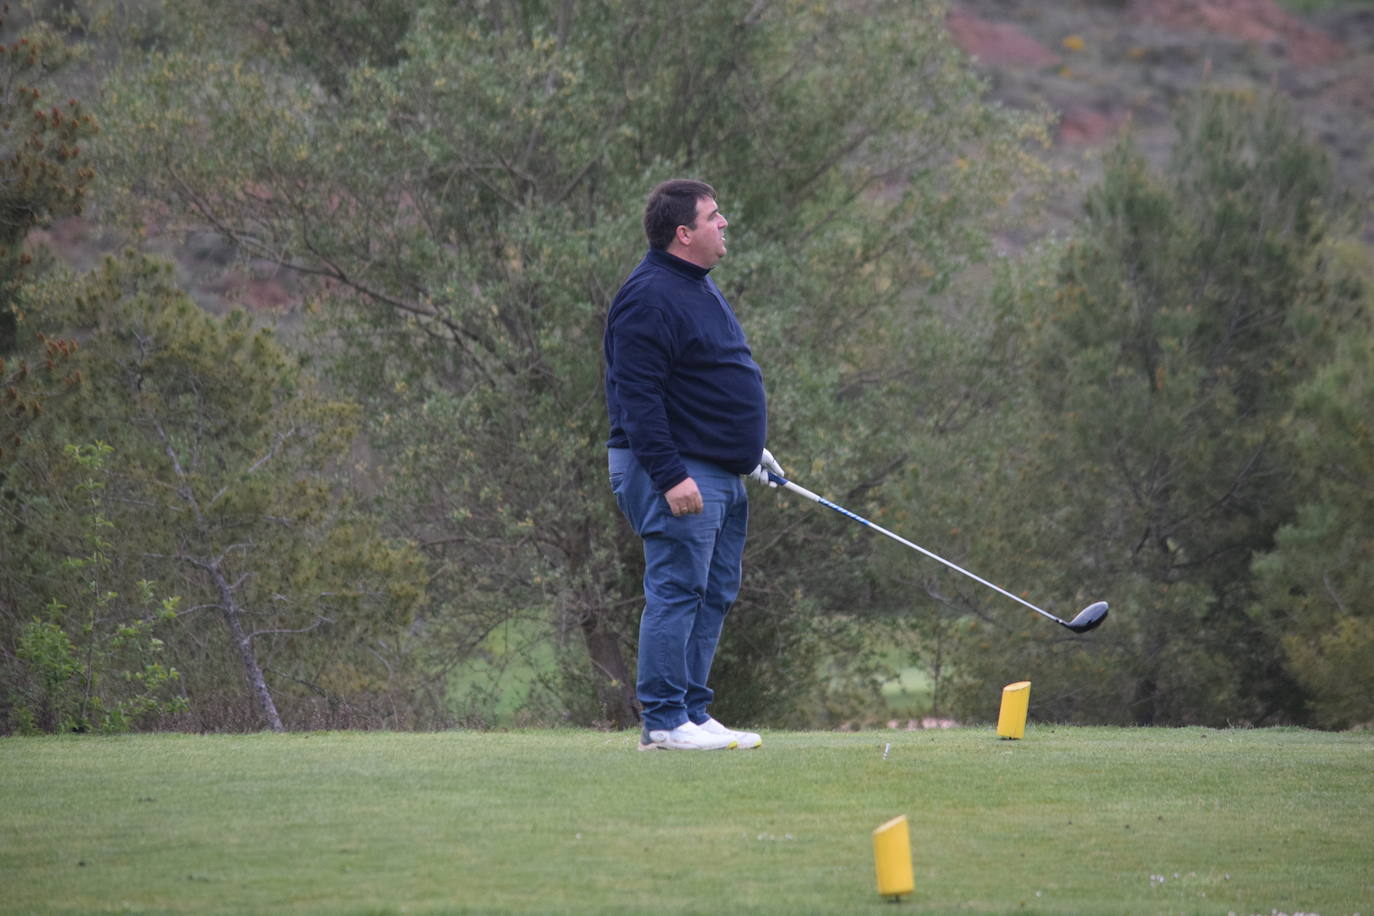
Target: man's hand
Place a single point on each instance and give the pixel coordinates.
(766, 464)
(684, 499)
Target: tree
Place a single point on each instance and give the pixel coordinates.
(222, 487)
(43, 174)
(469, 204)
(1162, 365)
(82, 664)
(24, 390)
(1314, 586)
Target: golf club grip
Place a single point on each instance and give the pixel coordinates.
(802, 491)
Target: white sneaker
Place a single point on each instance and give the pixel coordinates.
(744, 740)
(686, 737)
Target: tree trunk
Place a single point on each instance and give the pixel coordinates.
(1144, 703)
(615, 681)
(233, 618)
(615, 686)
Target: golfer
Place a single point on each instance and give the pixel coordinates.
(688, 417)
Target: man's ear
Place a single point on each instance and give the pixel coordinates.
(683, 234)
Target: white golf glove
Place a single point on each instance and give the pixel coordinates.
(766, 463)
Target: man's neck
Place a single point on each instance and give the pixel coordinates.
(682, 254)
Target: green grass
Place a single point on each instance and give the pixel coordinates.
(1068, 820)
(495, 686)
(910, 693)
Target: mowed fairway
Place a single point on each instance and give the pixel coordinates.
(1068, 820)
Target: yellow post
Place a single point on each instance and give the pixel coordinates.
(1011, 721)
(892, 856)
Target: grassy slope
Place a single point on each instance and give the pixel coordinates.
(1067, 820)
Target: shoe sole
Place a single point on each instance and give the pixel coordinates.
(663, 747)
(749, 747)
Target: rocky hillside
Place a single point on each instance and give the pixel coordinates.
(1104, 65)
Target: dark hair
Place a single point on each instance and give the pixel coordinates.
(673, 204)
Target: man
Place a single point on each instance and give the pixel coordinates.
(688, 417)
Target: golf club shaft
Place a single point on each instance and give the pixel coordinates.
(802, 491)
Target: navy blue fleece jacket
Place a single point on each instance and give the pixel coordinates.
(680, 379)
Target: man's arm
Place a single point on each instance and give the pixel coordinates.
(641, 355)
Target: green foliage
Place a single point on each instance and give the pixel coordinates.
(1162, 366)
(94, 662)
(43, 174)
(25, 389)
(1316, 582)
(223, 484)
(1334, 668)
(469, 203)
(46, 702)
(329, 38)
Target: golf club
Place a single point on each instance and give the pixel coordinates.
(1087, 619)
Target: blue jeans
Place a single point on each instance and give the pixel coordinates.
(691, 577)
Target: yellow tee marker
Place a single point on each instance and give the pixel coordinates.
(1011, 721)
(892, 856)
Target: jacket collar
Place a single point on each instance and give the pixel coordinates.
(686, 268)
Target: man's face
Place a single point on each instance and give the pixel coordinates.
(704, 243)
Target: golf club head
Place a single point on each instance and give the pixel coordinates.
(1089, 618)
